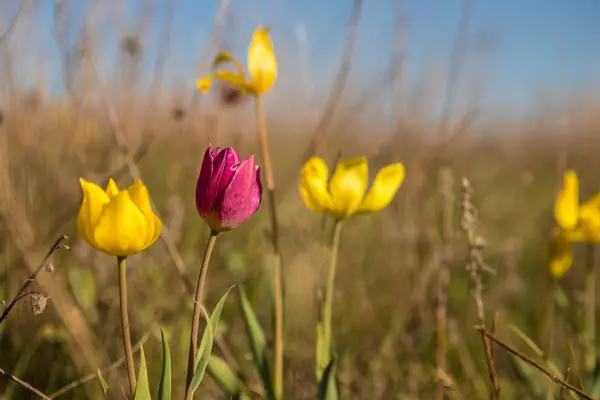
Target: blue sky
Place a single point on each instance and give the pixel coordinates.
(539, 43)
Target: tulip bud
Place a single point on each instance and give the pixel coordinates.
(228, 191)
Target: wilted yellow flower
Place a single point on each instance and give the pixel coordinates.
(346, 193)
(119, 223)
(262, 67)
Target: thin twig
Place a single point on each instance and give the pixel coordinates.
(203, 61)
(475, 265)
(13, 23)
(446, 173)
(160, 61)
(342, 76)
(135, 173)
(24, 384)
(277, 259)
(21, 293)
(534, 364)
(119, 362)
(460, 45)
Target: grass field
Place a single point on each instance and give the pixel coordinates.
(405, 308)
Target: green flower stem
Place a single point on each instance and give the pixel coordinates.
(328, 306)
(590, 309)
(122, 264)
(277, 263)
(197, 309)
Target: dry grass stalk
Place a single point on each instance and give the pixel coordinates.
(320, 133)
(533, 363)
(443, 279)
(89, 377)
(18, 224)
(475, 266)
(26, 385)
(22, 293)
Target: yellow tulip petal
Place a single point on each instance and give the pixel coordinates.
(94, 198)
(140, 197)
(122, 228)
(593, 202)
(561, 257)
(348, 186)
(262, 61)
(205, 84)
(384, 188)
(566, 207)
(157, 230)
(111, 188)
(238, 81)
(313, 185)
(224, 57)
(589, 222)
(578, 235)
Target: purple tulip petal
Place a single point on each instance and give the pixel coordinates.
(243, 195)
(215, 152)
(218, 168)
(203, 195)
(223, 171)
(257, 189)
(231, 162)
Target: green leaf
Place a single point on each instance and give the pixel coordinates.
(270, 283)
(83, 286)
(533, 346)
(258, 343)
(224, 376)
(206, 345)
(328, 386)
(323, 355)
(528, 378)
(102, 381)
(531, 378)
(164, 390)
(142, 390)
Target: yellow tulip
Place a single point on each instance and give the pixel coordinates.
(578, 223)
(571, 216)
(346, 193)
(561, 250)
(561, 256)
(119, 223)
(262, 62)
(262, 67)
(566, 207)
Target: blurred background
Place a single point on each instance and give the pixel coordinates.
(505, 94)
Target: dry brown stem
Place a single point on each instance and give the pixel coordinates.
(22, 293)
(24, 384)
(534, 364)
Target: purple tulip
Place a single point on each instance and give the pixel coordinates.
(228, 191)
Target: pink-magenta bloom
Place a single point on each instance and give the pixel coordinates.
(228, 191)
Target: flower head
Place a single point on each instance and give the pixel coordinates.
(119, 223)
(228, 191)
(262, 67)
(576, 222)
(566, 206)
(345, 194)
